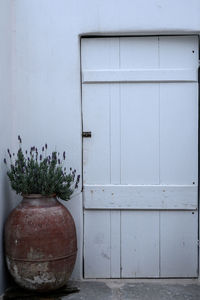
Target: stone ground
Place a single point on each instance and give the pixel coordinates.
(137, 290)
(157, 289)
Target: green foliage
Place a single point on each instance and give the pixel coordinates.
(34, 173)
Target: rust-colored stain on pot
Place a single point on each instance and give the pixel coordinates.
(40, 244)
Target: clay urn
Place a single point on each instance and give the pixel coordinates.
(40, 243)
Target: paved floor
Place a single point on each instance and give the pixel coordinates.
(119, 290)
(127, 290)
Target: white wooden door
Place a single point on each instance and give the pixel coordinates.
(140, 165)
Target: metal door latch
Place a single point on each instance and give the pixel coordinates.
(87, 134)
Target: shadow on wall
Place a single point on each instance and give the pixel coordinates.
(9, 200)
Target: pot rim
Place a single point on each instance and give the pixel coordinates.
(36, 196)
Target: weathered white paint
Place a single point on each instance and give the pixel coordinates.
(140, 197)
(133, 251)
(115, 243)
(141, 157)
(93, 110)
(160, 75)
(139, 244)
(46, 64)
(147, 120)
(140, 119)
(102, 246)
(178, 244)
(115, 148)
(176, 128)
(97, 247)
(163, 52)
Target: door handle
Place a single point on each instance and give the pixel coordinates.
(86, 134)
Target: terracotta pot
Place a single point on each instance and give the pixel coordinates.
(40, 243)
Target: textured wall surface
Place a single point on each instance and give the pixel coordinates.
(5, 118)
(46, 90)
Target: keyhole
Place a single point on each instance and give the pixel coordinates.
(192, 51)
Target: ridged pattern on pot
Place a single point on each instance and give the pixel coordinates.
(40, 243)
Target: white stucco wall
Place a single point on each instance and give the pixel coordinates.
(46, 90)
(5, 118)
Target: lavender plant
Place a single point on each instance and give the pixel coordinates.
(39, 173)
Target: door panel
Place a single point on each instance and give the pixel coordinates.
(140, 166)
(178, 52)
(96, 151)
(97, 244)
(140, 134)
(139, 52)
(178, 133)
(139, 244)
(102, 244)
(178, 240)
(98, 54)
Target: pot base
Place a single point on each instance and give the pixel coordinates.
(41, 276)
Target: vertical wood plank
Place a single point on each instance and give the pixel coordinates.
(96, 118)
(97, 244)
(178, 233)
(115, 244)
(139, 52)
(140, 134)
(178, 51)
(115, 134)
(179, 133)
(140, 244)
(100, 53)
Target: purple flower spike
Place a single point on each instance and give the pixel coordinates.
(9, 153)
(19, 139)
(64, 155)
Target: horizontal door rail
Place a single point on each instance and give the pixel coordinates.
(176, 197)
(140, 75)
